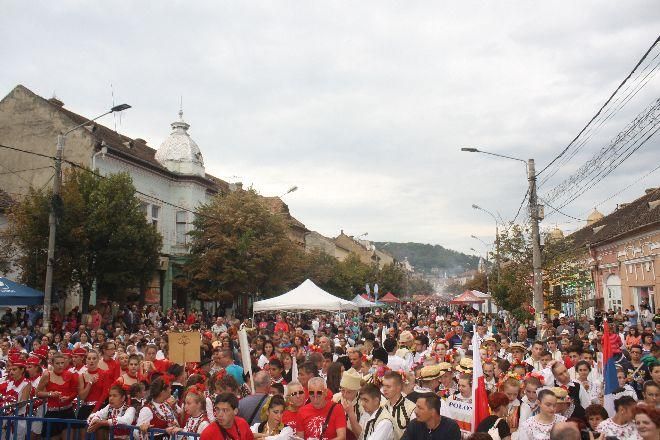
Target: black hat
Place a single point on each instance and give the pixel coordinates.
(380, 354)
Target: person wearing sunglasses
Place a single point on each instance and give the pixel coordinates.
(321, 419)
(295, 399)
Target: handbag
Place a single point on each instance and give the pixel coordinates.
(494, 432)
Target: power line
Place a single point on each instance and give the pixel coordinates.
(27, 169)
(622, 101)
(612, 168)
(75, 165)
(608, 155)
(601, 108)
(627, 187)
(560, 212)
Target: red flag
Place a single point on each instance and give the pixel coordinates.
(479, 395)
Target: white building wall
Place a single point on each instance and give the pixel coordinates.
(159, 189)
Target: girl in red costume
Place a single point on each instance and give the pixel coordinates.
(157, 412)
(34, 371)
(130, 376)
(108, 363)
(93, 385)
(60, 387)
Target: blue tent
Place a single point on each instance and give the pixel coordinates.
(14, 294)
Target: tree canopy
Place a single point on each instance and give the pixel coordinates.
(102, 236)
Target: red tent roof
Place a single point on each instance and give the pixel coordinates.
(389, 298)
(467, 297)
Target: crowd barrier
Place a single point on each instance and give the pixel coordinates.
(19, 427)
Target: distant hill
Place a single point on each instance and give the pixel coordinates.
(425, 257)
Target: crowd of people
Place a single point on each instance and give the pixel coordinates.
(406, 373)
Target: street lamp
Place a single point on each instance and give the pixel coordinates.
(534, 215)
(294, 188)
(497, 238)
(52, 220)
(487, 245)
(486, 271)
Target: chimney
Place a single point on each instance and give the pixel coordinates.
(140, 141)
(56, 102)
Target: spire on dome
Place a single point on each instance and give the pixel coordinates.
(179, 153)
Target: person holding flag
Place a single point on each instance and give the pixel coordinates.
(479, 393)
(611, 347)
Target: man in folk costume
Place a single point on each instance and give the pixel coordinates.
(376, 422)
(406, 340)
(578, 395)
(350, 385)
(429, 379)
(400, 408)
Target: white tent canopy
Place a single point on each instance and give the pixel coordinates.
(361, 302)
(307, 296)
(488, 306)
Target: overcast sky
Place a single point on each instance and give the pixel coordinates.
(363, 105)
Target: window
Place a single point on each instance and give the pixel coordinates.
(181, 217)
(155, 212)
(144, 208)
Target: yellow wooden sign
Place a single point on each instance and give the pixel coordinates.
(184, 347)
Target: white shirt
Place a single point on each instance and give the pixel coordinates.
(396, 363)
(383, 430)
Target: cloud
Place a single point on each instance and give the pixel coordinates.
(363, 105)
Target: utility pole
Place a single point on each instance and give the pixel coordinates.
(497, 252)
(535, 216)
(52, 229)
(55, 205)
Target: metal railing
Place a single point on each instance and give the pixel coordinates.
(19, 427)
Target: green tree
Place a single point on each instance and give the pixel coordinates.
(102, 236)
(239, 247)
(419, 286)
(392, 278)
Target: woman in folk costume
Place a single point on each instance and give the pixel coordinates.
(350, 385)
(117, 412)
(510, 386)
(271, 426)
(158, 412)
(17, 390)
(448, 385)
(60, 387)
(34, 370)
(130, 376)
(196, 411)
(539, 426)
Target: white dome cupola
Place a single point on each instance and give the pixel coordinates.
(179, 153)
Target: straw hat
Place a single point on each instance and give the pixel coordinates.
(431, 372)
(561, 394)
(351, 380)
(517, 346)
(445, 367)
(488, 340)
(406, 336)
(465, 366)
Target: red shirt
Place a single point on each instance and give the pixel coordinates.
(290, 418)
(69, 390)
(114, 370)
(281, 327)
(310, 420)
(240, 430)
(162, 365)
(99, 390)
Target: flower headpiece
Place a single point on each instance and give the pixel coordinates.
(537, 375)
(167, 379)
(198, 389)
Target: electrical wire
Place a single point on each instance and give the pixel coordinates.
(601, 108)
